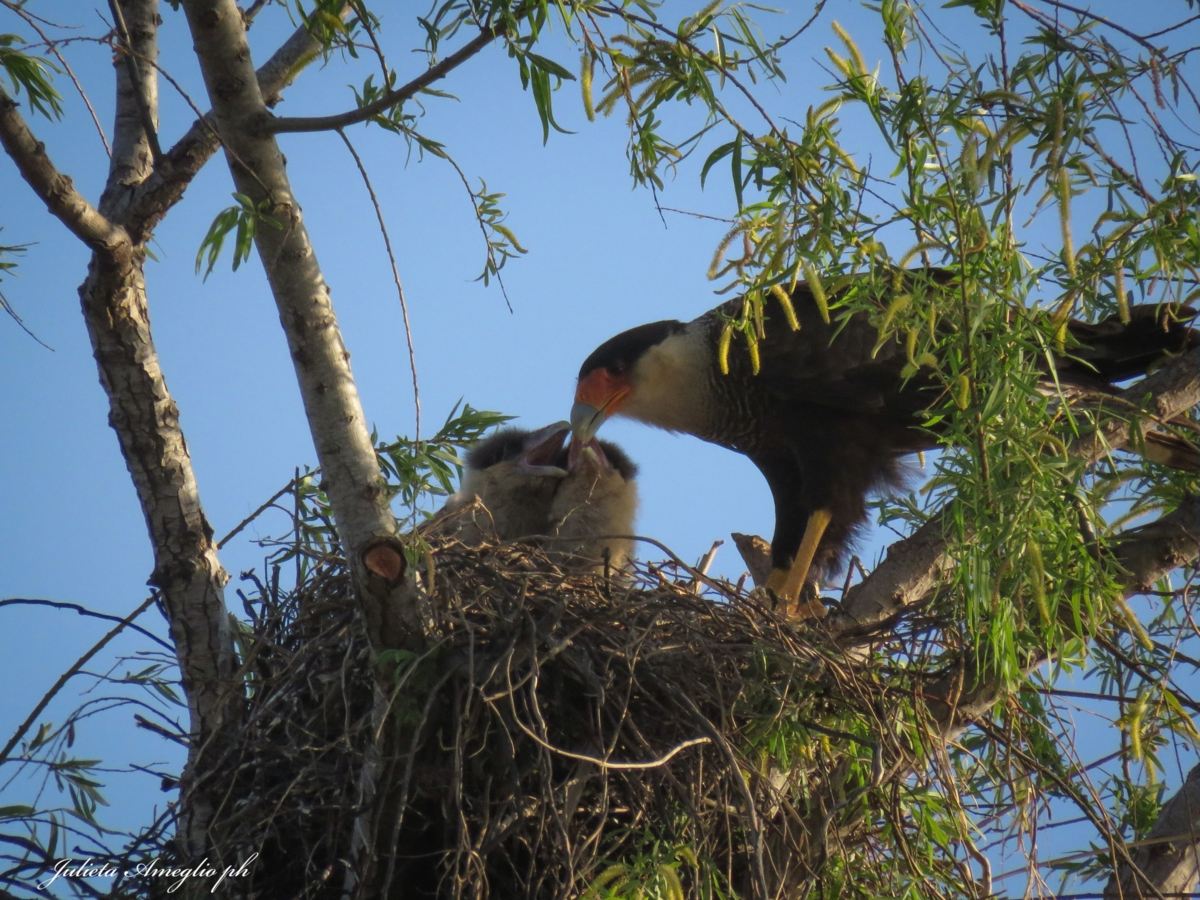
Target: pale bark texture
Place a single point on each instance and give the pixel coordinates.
(350, 472)
(142, 411)
(1166, 862)
(146, 420)
(351, 477)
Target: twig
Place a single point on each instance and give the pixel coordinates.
(84, 611)
(391, 98)
(387, 242)
(71, 672)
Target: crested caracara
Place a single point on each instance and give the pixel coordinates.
(829, 414)
(526, 484)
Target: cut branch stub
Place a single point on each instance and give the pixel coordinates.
(384, 557)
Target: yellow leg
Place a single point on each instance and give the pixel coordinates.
(793, 581)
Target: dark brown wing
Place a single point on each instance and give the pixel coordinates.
(837, 364)
(1113, 350)
(834, 365)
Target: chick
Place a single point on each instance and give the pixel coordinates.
(525, 484)
(598, 497)
(508, 485)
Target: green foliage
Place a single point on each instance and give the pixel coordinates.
(243, 220)
(1048, 165)
(417, 475)
(420, 471)
(34, 836)
(659, 870)
(8, 265)
(30, 74)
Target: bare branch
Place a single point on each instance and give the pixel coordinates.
(56, 190)
(163, 189)
(66, 676)
(141, 84)
(392, 98)
(1173, 390)
(387, 243)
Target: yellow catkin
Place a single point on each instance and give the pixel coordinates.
(818, 292)
(1122, 297)
(1064, 218)
(1137, 710)
(789, 312)
(723, 349)
(755, 362)
(1060, 332)
(1135, 627)
(674, 887)
(969, 162)
(1038, 580)
(897, 306)
(714, 268)
(962, 392)
(910, 348)
(586, 68)
(902, 265)
(921, 458)
(860, 66)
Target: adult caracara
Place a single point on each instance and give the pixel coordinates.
(827, 417)
(522, 484)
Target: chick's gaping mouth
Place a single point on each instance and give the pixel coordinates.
(586, 453)
(544, 450)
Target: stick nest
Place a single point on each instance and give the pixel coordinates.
(558, 735)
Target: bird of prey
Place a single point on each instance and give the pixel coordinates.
(524, 484)
(828, 416)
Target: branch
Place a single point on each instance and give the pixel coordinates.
(1173, 390)
(914, 566)
(66, 676)
(163, 189)
(1166, 862)
(1144, 555)
(392, 98)
(141, 86)
(56, 190)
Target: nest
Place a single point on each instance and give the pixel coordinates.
(560, 735)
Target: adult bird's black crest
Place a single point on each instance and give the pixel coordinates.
(830, 413)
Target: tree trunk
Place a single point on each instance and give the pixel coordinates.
(349, 468)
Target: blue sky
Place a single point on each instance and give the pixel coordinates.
(601, 259)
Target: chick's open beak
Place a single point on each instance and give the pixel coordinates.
(586, 453)
(543, 450)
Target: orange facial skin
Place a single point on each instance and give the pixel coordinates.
(603, 390)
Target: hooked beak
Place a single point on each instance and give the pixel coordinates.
(585, 422)
(543, 449)
(598, 395)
